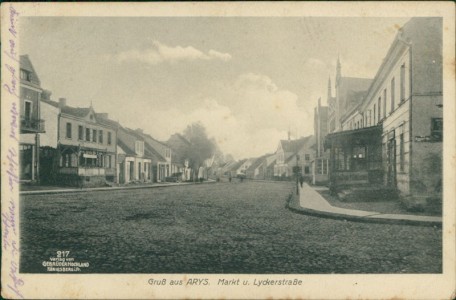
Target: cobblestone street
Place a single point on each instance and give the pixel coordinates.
(214, 228)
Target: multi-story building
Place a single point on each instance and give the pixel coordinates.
(86, 143)
(394, 135)
(32, 124)
(294, 153)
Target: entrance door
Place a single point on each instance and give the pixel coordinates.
(139, 171)
(132, 171)
(391, 157)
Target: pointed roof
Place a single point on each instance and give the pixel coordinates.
(79, 112)
(237, 165)
(148, 148)
(294, 145)
(257, 162)
(26, 64)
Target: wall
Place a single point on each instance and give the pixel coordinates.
(31, 95)
(74, 141)
(426, 173)
(50, 114)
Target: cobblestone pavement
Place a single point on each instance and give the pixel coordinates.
(218, 228)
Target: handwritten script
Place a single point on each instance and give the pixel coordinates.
(10, 236)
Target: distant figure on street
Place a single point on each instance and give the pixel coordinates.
(229, 178)
(301, 180)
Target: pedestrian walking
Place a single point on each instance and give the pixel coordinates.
(301, 180)
(229, 178)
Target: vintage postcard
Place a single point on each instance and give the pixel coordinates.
(217, 150)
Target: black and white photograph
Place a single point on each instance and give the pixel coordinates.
(226, 150)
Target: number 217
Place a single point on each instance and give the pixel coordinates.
(63, 253)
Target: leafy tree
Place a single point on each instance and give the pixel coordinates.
(201, 146)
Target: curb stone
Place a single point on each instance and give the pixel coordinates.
(292, 206)
(104, 189)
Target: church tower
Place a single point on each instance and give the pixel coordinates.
(329, 90)
(338, 71)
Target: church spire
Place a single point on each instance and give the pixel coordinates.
(329, 89)
(338, 70)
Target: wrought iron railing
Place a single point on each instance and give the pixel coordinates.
(32, 125)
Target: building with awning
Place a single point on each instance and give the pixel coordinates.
(391, 134)
(355, 156)
(86, 143)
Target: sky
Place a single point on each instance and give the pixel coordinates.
(248, 80)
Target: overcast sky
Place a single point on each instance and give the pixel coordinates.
(248, 80)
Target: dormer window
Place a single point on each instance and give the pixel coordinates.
(25, 75)
(139, 147)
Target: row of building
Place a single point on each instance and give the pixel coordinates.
(65, 145)
(382, 135)
(387, 131)
(291, 157)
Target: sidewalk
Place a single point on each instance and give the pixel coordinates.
(312, 203)
(108, 188)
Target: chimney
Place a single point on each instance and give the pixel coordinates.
(62, 102)
(139, 130)
(46, 95)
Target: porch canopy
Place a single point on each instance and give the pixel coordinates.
(362, 136)
(355, 155)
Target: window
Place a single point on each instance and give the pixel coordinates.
(94, 135)
(437, 129)
(307, 157)
(88, 134)
(139, 147)
(384, 103)
(379, 103)
(25, 75)
(306, 170)
(109, 161)
(374, 115)
(109, 138)
(28, 110)
(80, 132)
(403, 82)
(393, 88)
(100, 136)
(401, 152)
(68, 130)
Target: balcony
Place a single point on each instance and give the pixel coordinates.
(32, 125)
